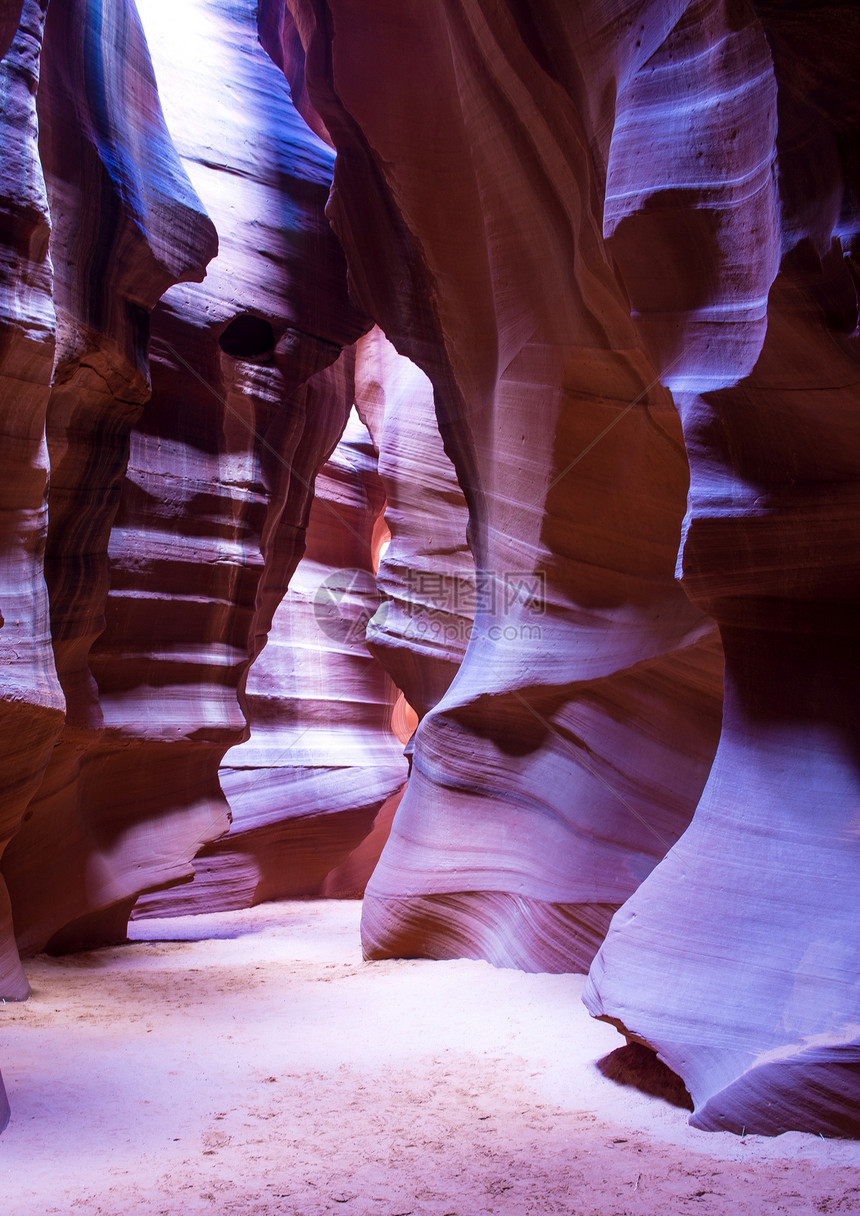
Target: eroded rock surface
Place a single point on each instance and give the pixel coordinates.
(111, 207)
(31, 709)
(752, 911)
(556, 769)
(305, 788)
(567, 226)
(613, 255)
(250, 392)
(427, 573)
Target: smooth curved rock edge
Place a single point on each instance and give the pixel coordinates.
(672, 200)
(506, 930)
(619, 264)
(307, 785)
(174, 528)
(101, 219)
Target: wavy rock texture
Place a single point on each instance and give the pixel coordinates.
(125, 225)
(753, 912)
(427, 573)
(120, 233)
(572, 745)
(714, 148)
(305, 789)
(31, 707)
(249, 395)
(613, 249)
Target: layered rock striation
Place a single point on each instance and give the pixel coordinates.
(111, 222)
(611, 431)
(752, 911)
(426, 573)
(570, 748)
(566, 227)
(250, 392)
(31, 709)
(306, 788)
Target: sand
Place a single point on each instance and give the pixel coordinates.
(251, 1063)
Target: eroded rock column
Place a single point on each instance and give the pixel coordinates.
(32, 704)
(557, 768)
(322, 758)
(752, 913)
(213, 507)
(121, 235)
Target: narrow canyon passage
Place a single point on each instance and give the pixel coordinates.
(249, 1062)
(429, 451)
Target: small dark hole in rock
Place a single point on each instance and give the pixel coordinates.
(640, 1068)
(247, 337)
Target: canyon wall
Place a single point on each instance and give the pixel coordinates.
(753, 910)
(173, 529)
(569, 750)
(427, 573)
(31, 710)
(305, 789)
(587, 275)
(106, 220)
(568, 229)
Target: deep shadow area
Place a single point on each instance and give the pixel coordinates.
(641, 1068)
(247, 337)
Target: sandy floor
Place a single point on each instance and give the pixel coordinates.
(250, 1063)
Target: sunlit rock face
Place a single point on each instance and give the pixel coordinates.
(104, 197)
(31, 709)
(250, 392)
(427, 573)
(576, 212)
(322, 759)
(569, 751)
(753, 912)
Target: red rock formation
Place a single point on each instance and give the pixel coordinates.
(31, 708)
(490, 172)
(556, 769)
(321, 760)
(212, 511)
(572, 219)
(752, 913)
(427, 573)
(120, 235)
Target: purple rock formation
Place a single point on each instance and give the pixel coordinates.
(118, 234)
(125, 225)
(560, 222)
(557, 769)
(212, 511)
(611, 255)
(427, 573)
(751, 911)
(305, 788)
(31, 708)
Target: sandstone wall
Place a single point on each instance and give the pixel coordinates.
(110, 221)
(306, 788)
(197, 538)
(568, 228)
(569, 751)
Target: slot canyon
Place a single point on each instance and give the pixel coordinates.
(429, 531)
